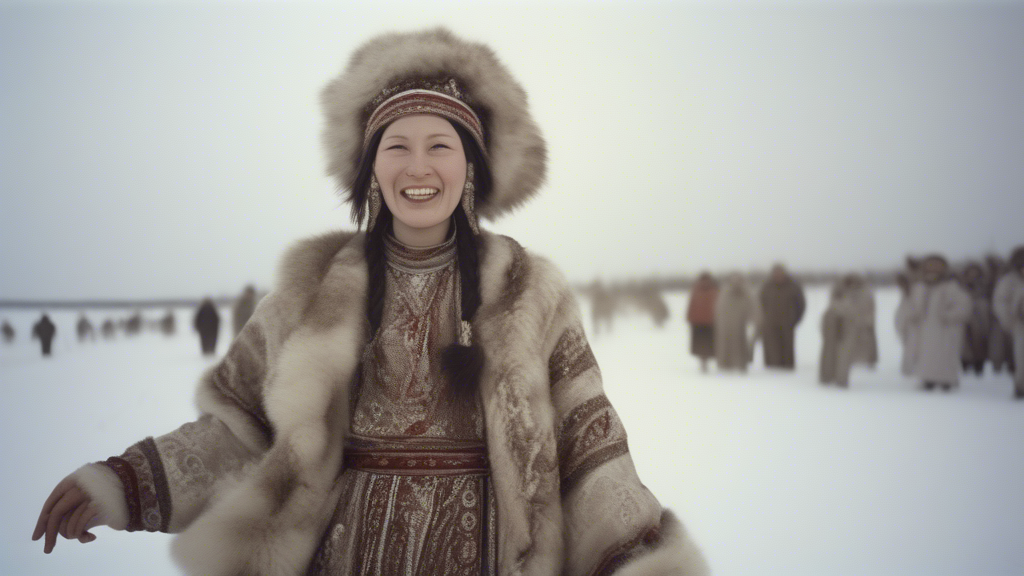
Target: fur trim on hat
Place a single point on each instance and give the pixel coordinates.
(515, 146)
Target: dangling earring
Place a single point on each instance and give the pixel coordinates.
(374, 202)
(468, 192)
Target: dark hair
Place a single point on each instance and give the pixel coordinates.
(463, 364)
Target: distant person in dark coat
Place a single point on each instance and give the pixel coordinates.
(108, 329)
(85, 329)
(602, 306)
(782, 306)
(44, 330)
(244, 306)
(167, 324)
(207, 323)
(701, 316)
(978, 329)
(8, 332)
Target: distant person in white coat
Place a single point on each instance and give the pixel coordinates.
(1008, 305)
(939, 309)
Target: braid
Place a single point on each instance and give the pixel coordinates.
(467, 245)
(377, 264)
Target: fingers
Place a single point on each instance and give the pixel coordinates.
(51, 501)
(86, 537)
(71, 522)
(66, 504)
(77, 525)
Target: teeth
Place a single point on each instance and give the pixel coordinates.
(420, 193)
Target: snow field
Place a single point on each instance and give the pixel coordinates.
(771, 473)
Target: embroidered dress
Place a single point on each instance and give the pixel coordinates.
(415, 492)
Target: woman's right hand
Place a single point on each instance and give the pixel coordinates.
(69, 512)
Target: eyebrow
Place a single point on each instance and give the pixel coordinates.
(438, 135)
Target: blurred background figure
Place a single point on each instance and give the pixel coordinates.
(108, 329)
(8, 332)
(857, 344)
(1008, 304)
(700, 314)
(978, 329)
(244, 306)
(782, 304)
(207, 323)
(939, 310)
(167, 324)
(85, 329)
(602, 306)
(831, 332)
(1000, 342)
(133, 325)
(649, 299)
(736, 312)
(45, 331)
(908, 331)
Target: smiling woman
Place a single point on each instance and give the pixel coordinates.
(416, 399)
(420, 168)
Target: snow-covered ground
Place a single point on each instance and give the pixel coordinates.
(771, 473)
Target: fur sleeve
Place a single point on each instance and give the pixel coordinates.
(613, 524)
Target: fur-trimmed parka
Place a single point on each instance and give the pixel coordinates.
(252, 483)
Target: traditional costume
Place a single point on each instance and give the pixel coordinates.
(323, 448)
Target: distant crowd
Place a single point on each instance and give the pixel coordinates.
(949, 319)
(206, 322)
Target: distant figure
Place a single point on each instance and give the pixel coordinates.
(782, 303)
(44, 330)
(207, 323)
(84, 329)
(857, 344)
(167, 324)
(1008, 305)
(831, 332)
(133, 326)
(108, 329)
(244, 306)
(648, 297)
(735, 312)
(8, 332)
(701, 315)
(939, 309)
(1000, 341)
(908, 332)
(602, 306)
(974, 352)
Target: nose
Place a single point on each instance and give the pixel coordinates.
(419, 166)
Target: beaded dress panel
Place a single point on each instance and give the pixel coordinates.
(417, 520)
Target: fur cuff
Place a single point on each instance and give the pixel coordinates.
(676, 554)
(107, 493)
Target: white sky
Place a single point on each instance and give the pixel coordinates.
(174, 150)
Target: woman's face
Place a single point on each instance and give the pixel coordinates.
(421, 169)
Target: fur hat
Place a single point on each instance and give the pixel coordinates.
(514, 144)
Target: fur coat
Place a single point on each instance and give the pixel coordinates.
(1008, 306)
(252, 483)
(938, 314)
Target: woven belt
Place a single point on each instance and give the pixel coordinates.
(412, 460)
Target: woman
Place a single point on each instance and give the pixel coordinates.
(418, 399)
(701, 315)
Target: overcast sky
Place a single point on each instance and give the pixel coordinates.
(175, 150)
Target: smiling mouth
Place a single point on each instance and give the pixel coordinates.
(420, 194)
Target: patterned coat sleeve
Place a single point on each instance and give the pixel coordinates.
(163, 483)
(613, 522)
